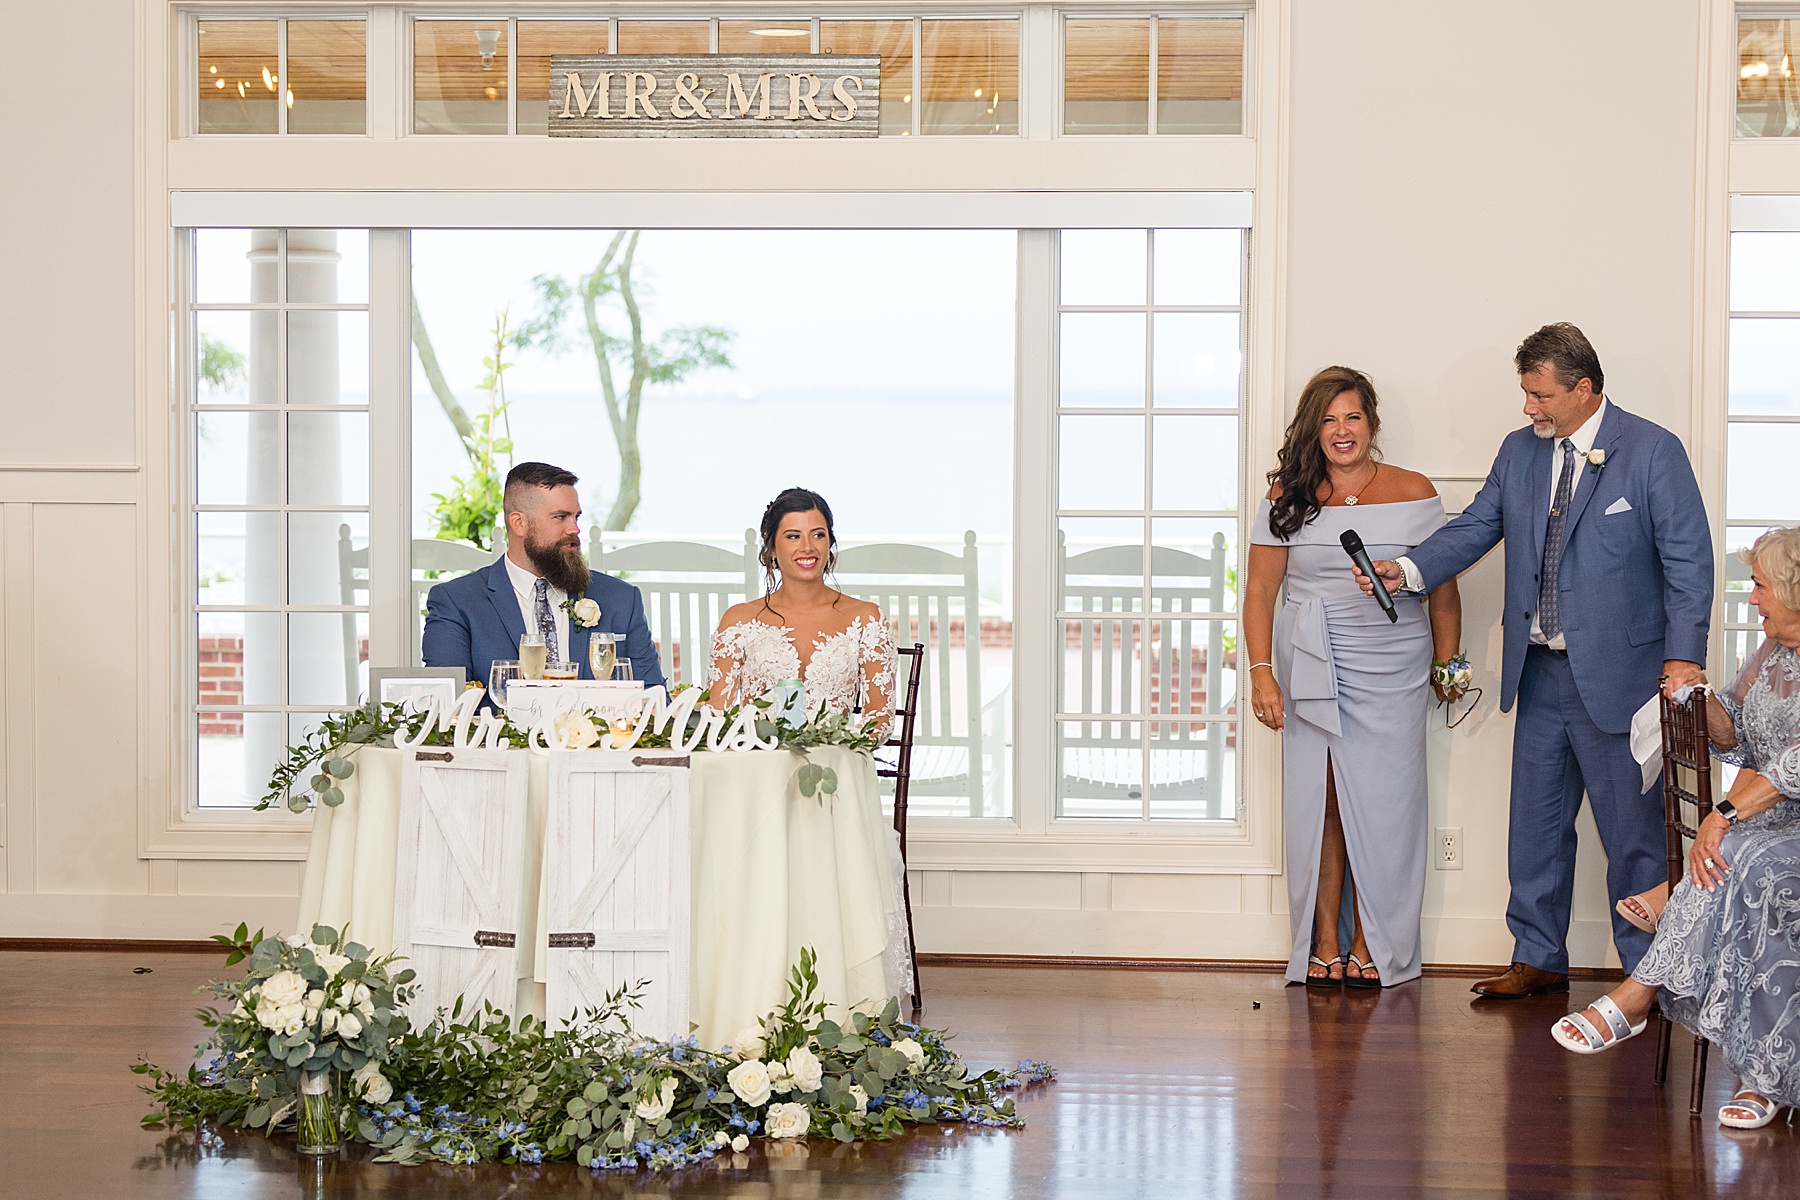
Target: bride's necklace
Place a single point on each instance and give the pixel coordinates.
(1351, 497)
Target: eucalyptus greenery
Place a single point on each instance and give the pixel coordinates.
(480, 1087)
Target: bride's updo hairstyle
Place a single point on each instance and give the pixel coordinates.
(793, 500)
(1301, 468)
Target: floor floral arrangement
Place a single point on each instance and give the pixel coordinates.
(477, 1087)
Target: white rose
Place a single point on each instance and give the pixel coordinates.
(296, 1021)
(328, 1021)
(748, 1043)
(331, 963)
(657, 1107)
(787, 1120)
(368, 1082)
(361, 995)
(284, 988)
(1596, 456)
(296, 940)
(915, 1053)
(721, 1138)
(861, 1097)
(586, 612)
(315, 1000)
(240, 1010)
(349, 1026)
(779, 1079)
(739, 1144)
(750, 1082)
(804, 1066)
(574, 731)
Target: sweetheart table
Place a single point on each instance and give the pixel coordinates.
(771, 871)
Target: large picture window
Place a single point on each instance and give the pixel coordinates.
(277, 417)
(839, 361)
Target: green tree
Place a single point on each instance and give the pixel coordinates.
(472, 507)
(607, 293)
(220, 365)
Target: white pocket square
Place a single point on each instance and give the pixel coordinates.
(1618, 506)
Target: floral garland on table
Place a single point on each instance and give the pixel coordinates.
(481, 1087)
(328, 751)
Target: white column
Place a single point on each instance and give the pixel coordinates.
(263, 738)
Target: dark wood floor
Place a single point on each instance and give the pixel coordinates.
(1173, 1084)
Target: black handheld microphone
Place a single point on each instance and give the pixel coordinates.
(1353, 546)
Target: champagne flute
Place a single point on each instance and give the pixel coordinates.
(603, 652)
(533, 654)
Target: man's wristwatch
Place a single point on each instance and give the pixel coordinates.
(1727, 809)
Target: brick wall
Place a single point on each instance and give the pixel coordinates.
(221, 682)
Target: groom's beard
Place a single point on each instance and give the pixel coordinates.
(562, 566)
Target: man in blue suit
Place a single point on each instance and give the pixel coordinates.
(1609, 581)
(538, 583)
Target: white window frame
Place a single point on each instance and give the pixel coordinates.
(1173, 12)
(188, 57)
(945, 188)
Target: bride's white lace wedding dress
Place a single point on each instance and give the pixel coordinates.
(850, 672)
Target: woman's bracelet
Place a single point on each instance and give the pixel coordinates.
(1253, 667)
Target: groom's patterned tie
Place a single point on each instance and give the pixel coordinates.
(546, 620)
(1549, 601)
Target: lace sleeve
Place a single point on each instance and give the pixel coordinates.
(1732, 701)
(875, 651)
(724, 676)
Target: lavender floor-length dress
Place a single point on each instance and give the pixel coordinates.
(1356, 689)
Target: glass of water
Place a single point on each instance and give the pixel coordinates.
(503, 672)
(603, 652)
(622, 669)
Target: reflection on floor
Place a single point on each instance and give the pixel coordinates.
(1173, 1084)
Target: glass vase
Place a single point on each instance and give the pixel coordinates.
(315, 1115)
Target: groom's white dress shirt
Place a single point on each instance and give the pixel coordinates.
(524, 585)
(1583, 440)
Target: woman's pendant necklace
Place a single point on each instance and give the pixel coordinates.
(1350, 500)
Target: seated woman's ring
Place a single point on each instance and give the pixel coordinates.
(1711, 865)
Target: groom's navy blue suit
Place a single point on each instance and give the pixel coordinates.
(1635, 588)
(474, 619)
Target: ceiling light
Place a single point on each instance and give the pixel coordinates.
(487, 42)
(781, 33)
(1754, 71)
(290, 98)
(268, 80)
(214, 70)
(240, 89)
(218, 83)
(978, 93)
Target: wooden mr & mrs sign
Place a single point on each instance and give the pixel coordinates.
(715, 95)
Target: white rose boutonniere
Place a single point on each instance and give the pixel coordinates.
(750, 1082)
(1596, 459)
(584, 611)
(787, 1120)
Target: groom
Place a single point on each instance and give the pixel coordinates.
(1609, 579)
(477, 618)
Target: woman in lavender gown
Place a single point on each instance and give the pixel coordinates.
(1726, 956)
(1347, 689)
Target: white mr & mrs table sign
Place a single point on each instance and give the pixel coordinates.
(715, 95)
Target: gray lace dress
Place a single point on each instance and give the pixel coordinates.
(1728, 961)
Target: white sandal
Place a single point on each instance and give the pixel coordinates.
(1591, 1040)
(1764, 1109)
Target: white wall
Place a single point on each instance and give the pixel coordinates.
(1458, 174)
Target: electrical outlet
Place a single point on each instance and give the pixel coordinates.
(1448, 855)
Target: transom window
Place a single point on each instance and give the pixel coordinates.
(282, 77)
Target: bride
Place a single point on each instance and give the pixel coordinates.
(836, 645)
(842, 855)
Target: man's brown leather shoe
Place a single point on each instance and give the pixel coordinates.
(1521, 980)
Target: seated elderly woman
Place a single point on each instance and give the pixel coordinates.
(1727, 950)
